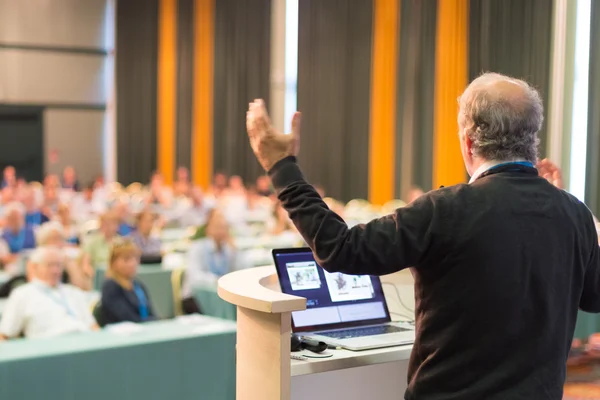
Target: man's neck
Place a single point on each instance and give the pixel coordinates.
(483, 165)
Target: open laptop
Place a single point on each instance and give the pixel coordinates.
(341, 310)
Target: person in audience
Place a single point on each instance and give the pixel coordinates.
(16, 236)
(256, 202)
(69, 179)
(51, 199)
(8, 195)
(209, 258)
(281, 222)
(44, 307)
(182, 185)
(263, 186)
(195, 215)
(9, 177)
(236, 187)
(64, 218)
(85, 206)
(159, 192)
(142, 236)
(33, 214)
(219, 185)
(123, 297)
(233, 202)
(121, 210)
(96, 247)
(53, 234)
(414, 193)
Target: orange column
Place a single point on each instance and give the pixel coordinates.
(167, 86)
(382, 143)
(202, 125)
(451, 76)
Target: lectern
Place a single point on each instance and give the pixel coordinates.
(264, 370)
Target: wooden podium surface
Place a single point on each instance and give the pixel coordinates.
(264, 369)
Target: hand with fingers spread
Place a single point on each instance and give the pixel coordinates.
(268, 145)
(551, 172)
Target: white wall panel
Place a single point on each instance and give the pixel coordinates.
(46, 77)
(77, 137)
(61, 23)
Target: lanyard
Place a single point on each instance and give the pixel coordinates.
(142, 301)
(62, 301)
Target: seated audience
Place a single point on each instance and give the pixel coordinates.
(86, 205)
(182, 185)
(219, 185)
(33, 214)
(263, 186)
(257, 203)
(45, 307)
(69, 179)
(9, 177)
(281, 222)
(16, 236)
(159, 193)
(53, 234)
(121, 210)
(70, 230)
(195, 215)
(142, 236)
(123, 297)
(233, 202)
(209, 258)
(51, 200)
(96, 247)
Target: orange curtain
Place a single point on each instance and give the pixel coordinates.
(450, 81)
(202, 125)
(167, 84)
(383, 101)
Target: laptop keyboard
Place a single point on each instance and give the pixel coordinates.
(367, 331)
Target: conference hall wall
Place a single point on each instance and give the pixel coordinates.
(377, 83)
(52, 94)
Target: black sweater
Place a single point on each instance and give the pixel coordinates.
(501, 267)
(120, 305)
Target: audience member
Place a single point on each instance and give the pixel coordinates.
(121, 210)
(123, 297)
(8, 195)
(16, 236)
(209, 258)
(257, 203)
(159, 193)
(45, 307)
(51, 200)
(69, 179)
(33, 214)
(195, 214)
(414, 193)
(9, 177)
(142, 236)
(219, 185)
(96, 247)
(64, 218)
(263, 186)
(182, 185)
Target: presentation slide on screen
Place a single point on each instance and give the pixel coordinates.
(303, 275)
(349, 287)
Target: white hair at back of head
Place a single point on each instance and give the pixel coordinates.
(45, 231)
(14, 207)
(40, 254)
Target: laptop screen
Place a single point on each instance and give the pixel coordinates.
(334, 300)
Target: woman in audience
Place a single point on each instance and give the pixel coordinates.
(70, 230)
(209, 258)
(123, 297)
(53, 234)
(142, 237)
(96, 247)
(45, 307)
(182, 185)
(16, 236)
(33, 214)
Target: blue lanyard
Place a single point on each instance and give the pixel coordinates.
(61, 302)
(515, 163)
(142, 301)
(217, 263)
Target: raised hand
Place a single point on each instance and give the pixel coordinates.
(268, 145)
(550, 171)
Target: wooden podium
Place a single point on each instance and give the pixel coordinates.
(264, 370)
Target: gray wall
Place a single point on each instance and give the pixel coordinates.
(52, 54)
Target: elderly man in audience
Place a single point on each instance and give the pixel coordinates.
(33, 213)
(9, 177)
(69, 179)
(142, 236)
(45, 307)
(53, 234)
(209, 258)
(124, 298)
(96, 247)
(17, 236)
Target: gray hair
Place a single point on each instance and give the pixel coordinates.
(40, 254)
(502, 124)
(46, 230)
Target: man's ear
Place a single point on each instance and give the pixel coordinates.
(468, 143)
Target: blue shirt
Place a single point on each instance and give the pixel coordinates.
(23, 240)
(125, 229)
(35, 218)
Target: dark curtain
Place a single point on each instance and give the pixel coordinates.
(415, 101)
(242, 73)
(334, 82)
(513, 37)
(592, 195)
(136, 80)
(185, 80)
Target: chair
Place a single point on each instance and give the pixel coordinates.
(11, 285)
(98, 313)
(177, 277)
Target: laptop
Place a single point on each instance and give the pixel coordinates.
(349, 311)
